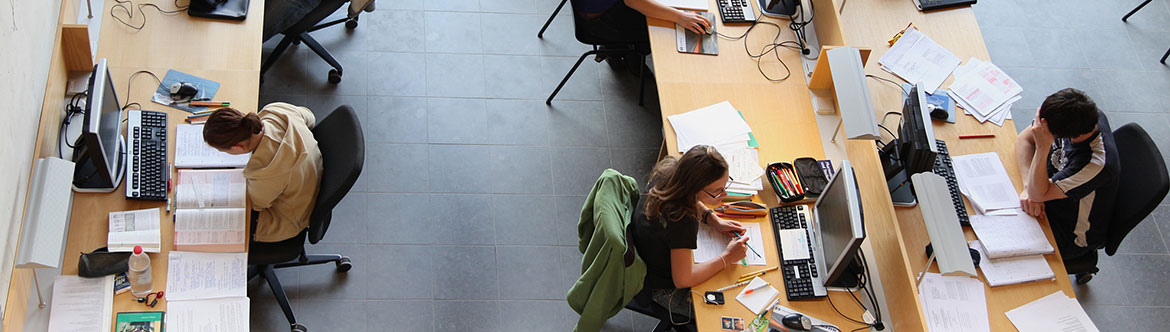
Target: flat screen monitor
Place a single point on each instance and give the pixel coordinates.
(842, 228)
(99, 148)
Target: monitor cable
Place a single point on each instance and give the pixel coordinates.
(128, 7)
(72, 109)
(771, 47)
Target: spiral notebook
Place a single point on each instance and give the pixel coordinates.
(1012, 270)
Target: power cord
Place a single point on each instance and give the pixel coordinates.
(864, 286)
(885, 80)
(798, 27)
(127, 6)
(771, 47)
(71, 109)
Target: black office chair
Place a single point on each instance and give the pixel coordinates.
(601, 49)
(1123, 19)
(642, 304)
(339, 136)
(1142, 185)
(299, 32)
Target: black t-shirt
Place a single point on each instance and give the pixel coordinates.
(1087, 172)
(653, 240)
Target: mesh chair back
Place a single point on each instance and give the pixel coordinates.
(343, 152)
(1142, 185)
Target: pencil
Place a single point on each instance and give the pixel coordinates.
(797, 179)
(776, 181)
(198, 115)
(976, 136)
(212, 103)
(753, 274)
(748, 245)
(784, 177)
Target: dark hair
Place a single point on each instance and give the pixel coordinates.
(678, 180)
(1069, 113)
(227, 127)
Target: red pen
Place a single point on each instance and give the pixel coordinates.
(976, 136)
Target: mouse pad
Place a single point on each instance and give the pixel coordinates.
(207, 89)
(939, 98)
(690, 42)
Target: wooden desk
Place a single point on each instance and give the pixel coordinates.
(224, 51)
(782, 118)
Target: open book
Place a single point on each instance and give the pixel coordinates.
(1011, 236)
(211, 211)
(192, 152)
(134, 228)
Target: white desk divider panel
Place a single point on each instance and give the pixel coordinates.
(942, 224)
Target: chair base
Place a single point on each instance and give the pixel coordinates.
(334, 73)
(268, 274)
(602, 53)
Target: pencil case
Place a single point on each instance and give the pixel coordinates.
(812, 177)
(786, 187)
(101, 262)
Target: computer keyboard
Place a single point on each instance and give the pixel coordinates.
(945, 168)
(801, 278)
(146, 156)
(736, 11)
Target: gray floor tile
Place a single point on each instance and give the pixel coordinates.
(354, 79)
(630, 125)
(568, 215)
(456, 121)
(640, 322)
(1107, 286)
(1153, 16)
(570, 259)
(577, 123)
(622, 322)
(535, 315)
(1107, 48)
(463, 219)
(452, 5)
(525, 220)
(1145, 319)
(409, 223)
(559, 39)
(1004, 13)
(321, 282)
(455, 75)
(450, 32)
(340, 38)
(1157, 125)
(1122, 91)
(451, 172)
(467, 316)
(400, 316)
(1112, 318)
(1049, 48)
(396, 167)
(465, 273)
(1038, 83)
(623, 86)
(395, 31)
(521, 170)
(546, 8)
(585, 83)
(295, 99)
(1022, 118)
(511, 76)
(511, 6)
(1011, 47)
(1150, 45)
(1161, 215)
(324, 104)
(636, 163)
(403, 4)
(288, 75)
(348, 224)
(264, 312)
(397, 120)
(578, 169)
(1144, 239)
(529, 273)
(517, 122)
(332, 315)
(397, 74)
(402, 272)
(1144, 278)
(512, 33)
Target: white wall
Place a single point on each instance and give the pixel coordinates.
(27, 30)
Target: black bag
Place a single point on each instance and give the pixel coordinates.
(101, 262)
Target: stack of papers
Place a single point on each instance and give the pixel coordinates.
(984, 180)
(985, 91)
(202, 285)
(723, 127)
(134, 228)
(1012, 270)
(711, 243)
(1011, 236)
(917, 58)
(82, 304)
(954, 303)
(1055, 312)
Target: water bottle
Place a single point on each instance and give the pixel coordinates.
(141, 283)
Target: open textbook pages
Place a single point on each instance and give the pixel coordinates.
(134, 228)
(211, 214)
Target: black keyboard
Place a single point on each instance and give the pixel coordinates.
(945, 168)
(146, 157)
(736, 11)
(804, 285)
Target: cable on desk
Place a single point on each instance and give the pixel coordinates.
(71, 109)
(886, 80)
(771, 47)
(798, 28)
(130, 82)
(127, 6)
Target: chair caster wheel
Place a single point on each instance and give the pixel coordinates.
(1084, 278)
(334, 76)
(296, 42)
(298, 327)
(351, 24)
(344, 265)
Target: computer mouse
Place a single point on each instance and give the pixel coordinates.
(938, 113)
(797, 322)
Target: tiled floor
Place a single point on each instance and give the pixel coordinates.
(464, 218)
(1049, 45)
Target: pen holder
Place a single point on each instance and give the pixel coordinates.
(784, 182)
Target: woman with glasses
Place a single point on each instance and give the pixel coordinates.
(666, 227)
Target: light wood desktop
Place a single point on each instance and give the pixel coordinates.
(224, 51)
(781, 116)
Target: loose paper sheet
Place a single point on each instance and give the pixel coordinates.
(917, 58)
(954, 303)
(82, 304)
(200, 275)
(711, 243)
(1053, 313)
(1012, 270)
(211, 315)
(1010, 236)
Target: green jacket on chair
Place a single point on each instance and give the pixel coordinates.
(611, 273)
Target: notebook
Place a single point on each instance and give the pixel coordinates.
(1012, 270)
(191, 151)
(134, 228)
(1010, 236)
(211, 214)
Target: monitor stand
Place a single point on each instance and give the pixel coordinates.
(848, 279)
(85, 177)
(901, 190)
(778, 8)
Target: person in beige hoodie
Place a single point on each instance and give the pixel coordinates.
(284, 171)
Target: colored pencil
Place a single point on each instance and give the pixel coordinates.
(976, 136)
(776, 181)
(797, 179)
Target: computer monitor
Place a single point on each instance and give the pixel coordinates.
(918, 149)
(841, 228)
(99, 151)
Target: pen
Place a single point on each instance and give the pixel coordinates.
(796, 179)
(750, 290)
(203, 112)
(198, 115)
(776, 181)
(196, 122)
(760, 272)
(748, 245)
(787, 184)
(212, 103)
(976, 136)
